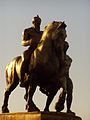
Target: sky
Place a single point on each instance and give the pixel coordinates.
(16, 15)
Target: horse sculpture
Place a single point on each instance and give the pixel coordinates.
(45, 67)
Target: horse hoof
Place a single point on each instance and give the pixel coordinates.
(5, 109)
(31, 108)
(59, 107)
(46, 110)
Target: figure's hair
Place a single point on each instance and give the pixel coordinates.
(36, 19)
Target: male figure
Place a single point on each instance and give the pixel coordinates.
(31, 38)
(69, 85)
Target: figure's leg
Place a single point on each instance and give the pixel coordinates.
(8, 91)
(60, 103)
(50, 98)
(25, 68)
(69, 95)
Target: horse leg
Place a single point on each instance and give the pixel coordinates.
(8, 91)
(50, 98)
(26, 94)
(60, 103)
(30, 104)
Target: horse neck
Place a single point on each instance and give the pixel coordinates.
(45, 50)
(47, 47)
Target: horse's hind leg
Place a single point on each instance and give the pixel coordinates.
(8, 91)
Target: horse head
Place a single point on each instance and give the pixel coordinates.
(56, 33)
(59, 31)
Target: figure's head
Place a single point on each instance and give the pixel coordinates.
(36, 21)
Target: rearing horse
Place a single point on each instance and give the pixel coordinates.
(45, 65)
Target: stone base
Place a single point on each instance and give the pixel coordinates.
(38, 116)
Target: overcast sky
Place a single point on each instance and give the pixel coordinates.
(16, 15)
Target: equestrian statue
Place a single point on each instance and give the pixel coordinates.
(43, 67)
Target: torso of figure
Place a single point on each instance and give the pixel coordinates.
(66, 67)
(30, 34)
(68, 62)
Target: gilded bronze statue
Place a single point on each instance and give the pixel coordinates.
(45, 65)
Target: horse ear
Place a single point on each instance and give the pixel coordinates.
(63, 25)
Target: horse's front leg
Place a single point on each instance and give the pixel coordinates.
(30, 104)
(50, 98)
(26, 94)
(59, 106)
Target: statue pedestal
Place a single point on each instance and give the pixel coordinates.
(38, 116)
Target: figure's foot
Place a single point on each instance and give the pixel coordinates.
(5, 109)
(70, 112)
